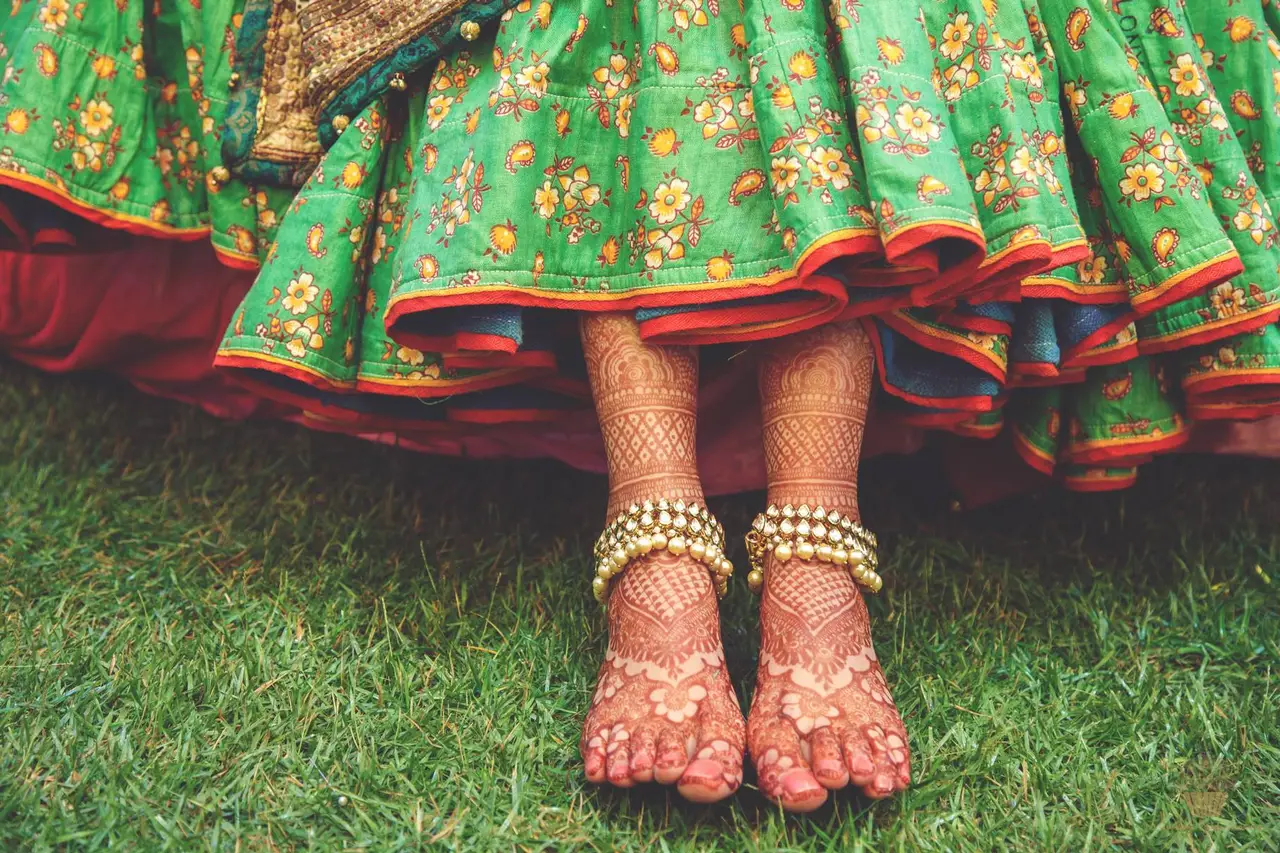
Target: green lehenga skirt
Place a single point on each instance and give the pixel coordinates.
(1055, 218)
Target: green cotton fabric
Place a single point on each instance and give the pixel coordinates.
(114, 108)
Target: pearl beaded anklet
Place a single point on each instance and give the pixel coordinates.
(662, 525)
(828, 537)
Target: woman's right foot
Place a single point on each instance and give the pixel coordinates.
(664, 709)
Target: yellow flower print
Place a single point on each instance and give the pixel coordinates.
(300, 293)
(829, 167)
(104, 66)
(46, 60)
(427, 267)
(720, 267)
(782, 97)
(534, 79)
(959, 78)
(315, 241)
(502, 239)
(96, 117)
(438, 110)
(663, 245)
(802, 66)
(351, 175)
(917, 122)
(545, 200)
(410, 356)
(1092, 270)
(120, 189)
(716, 115)
(54, 14)
(669, 199)
(687, 13)
(954, 36)
(18, 121)
(1227, 300)
(890, 50)
(1024, 68)
(1186, 77)
(1241, 28)
(578, 189)
(296, 348)
(784, 172)
(663, 142)
(1023, 166)
(1141, 180)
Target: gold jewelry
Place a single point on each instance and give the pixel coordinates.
(661, 525)
(808, 534)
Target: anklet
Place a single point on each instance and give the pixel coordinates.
(808, 534)
(662, 525)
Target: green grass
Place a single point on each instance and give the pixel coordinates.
(249, 636)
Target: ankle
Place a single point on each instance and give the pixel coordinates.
(839, 497)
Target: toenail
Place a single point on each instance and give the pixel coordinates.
(861, 765)
(883, 783)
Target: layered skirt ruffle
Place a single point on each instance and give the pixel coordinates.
(1055, 219)
(112, 111)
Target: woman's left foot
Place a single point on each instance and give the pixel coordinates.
(822, 716)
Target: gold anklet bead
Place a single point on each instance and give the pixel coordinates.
(661, 525)
(808, 533)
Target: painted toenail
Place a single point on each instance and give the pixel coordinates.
(861, 766)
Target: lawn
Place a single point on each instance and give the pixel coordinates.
(253, 637)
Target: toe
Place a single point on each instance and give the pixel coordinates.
(826, 759)
(593, 758)
(784, 774)
(858, 758)
(644, 752)
(714, 773)
(673, 756)
(900, 755)
(619, 766)
(884, 780)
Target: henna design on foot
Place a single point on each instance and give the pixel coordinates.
(664, 709)
(821, 716)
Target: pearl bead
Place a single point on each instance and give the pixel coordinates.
(725, 567)
(824, 553)
(598, 586)
(840, 556)
(698, 550)
(604, 571)
(659, 542)
(755, 579)
(645, 544)
(620, 558)
(633, 548)
(857, 558)
(677, 545)
(470, 30)
(805, 550)
(782, 553)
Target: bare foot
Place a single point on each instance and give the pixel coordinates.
(664, 709)
(822, 716)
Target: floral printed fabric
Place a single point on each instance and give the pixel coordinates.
(1058, 214)
(113, 109)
